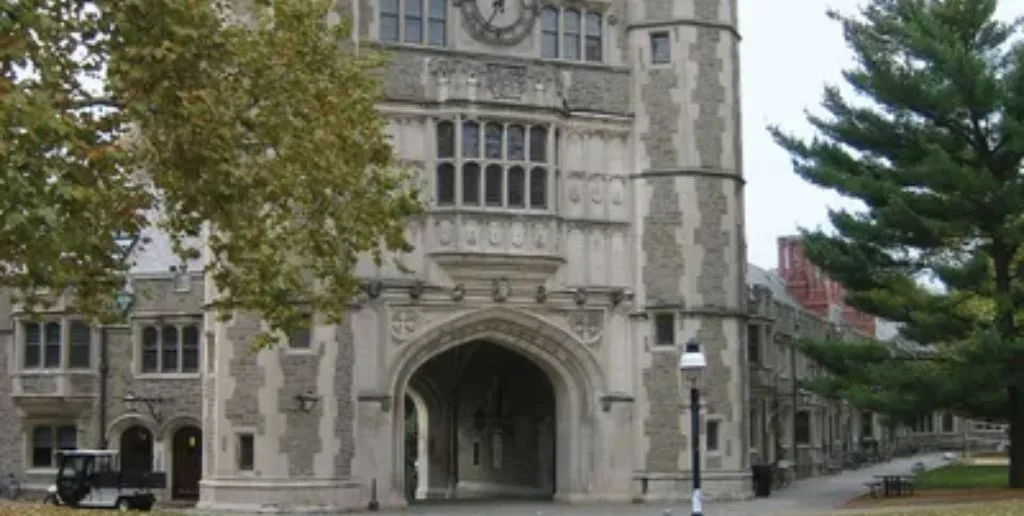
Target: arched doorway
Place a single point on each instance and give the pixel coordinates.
(568, 367)
(136, 446)
(491, 431)
(187, 463)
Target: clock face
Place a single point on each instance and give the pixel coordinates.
(500, 22)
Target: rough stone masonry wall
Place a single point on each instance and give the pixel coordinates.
(11, 456)
(300, 439)
(676, 112)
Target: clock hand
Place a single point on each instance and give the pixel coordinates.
(499, 7)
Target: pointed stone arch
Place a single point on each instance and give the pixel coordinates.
(576, 376)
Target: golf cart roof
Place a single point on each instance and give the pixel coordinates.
(88, 453)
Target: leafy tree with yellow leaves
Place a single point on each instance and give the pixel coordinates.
(255, 129)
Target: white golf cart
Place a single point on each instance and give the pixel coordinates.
(92, 479)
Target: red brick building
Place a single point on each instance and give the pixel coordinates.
(814, 290)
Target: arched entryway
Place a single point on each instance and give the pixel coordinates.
(186, 462)
(136, 447)
(522, 398)
(489, 431)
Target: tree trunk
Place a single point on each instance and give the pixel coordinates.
(1015, 415)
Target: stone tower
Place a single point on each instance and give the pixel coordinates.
(686, 98)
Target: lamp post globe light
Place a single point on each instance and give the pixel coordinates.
(692, 364)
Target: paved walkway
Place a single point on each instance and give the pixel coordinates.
(819, 495)
(810, 496)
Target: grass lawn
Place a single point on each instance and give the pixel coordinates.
(38, 509)
(959, 476)
(986, 509)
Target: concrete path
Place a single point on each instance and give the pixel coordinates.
(820, 495)
(811, 496)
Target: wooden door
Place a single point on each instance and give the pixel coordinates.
(136, 450)
(188, 463)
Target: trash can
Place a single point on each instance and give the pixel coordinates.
(762, 476)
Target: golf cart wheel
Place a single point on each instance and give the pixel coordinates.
(124, 504)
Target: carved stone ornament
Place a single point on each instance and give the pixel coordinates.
(459, 292)
(588, 325)
(500, 289)
(404, 323)
(518, 234)
(542, 294)
(445, 229)
(507, 82)
(416, 291)
(540, 236)
(373, 289)
(596, 189)
(579, 296)
(617, 194)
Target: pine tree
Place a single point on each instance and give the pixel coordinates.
(932, 147)
(259, 125)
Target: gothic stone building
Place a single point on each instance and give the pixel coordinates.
(585, 219)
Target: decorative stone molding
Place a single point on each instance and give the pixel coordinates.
(416, 291)
(532, 335)
(579, 296)
(488, 245)
(384, 400)
(495, 80)
(500, 290)
(373, 289)
(587, 325)
(459, 292)
(404, 323)
(542, 294)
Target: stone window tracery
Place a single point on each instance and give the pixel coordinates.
(43, 343)
(494, 164)
(571, 33)
(45, 440)
(169, 349)
(418, 22)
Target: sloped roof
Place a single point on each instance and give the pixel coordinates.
(770, 279)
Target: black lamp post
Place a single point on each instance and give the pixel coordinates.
(124, 300)
(691, 364)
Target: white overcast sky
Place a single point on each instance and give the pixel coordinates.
(790, 50)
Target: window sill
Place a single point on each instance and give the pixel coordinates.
(41, 471)
(167, 376)
(56, 372)
(414, 46)
(600, 63)
(494, 210)
(300, 351)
